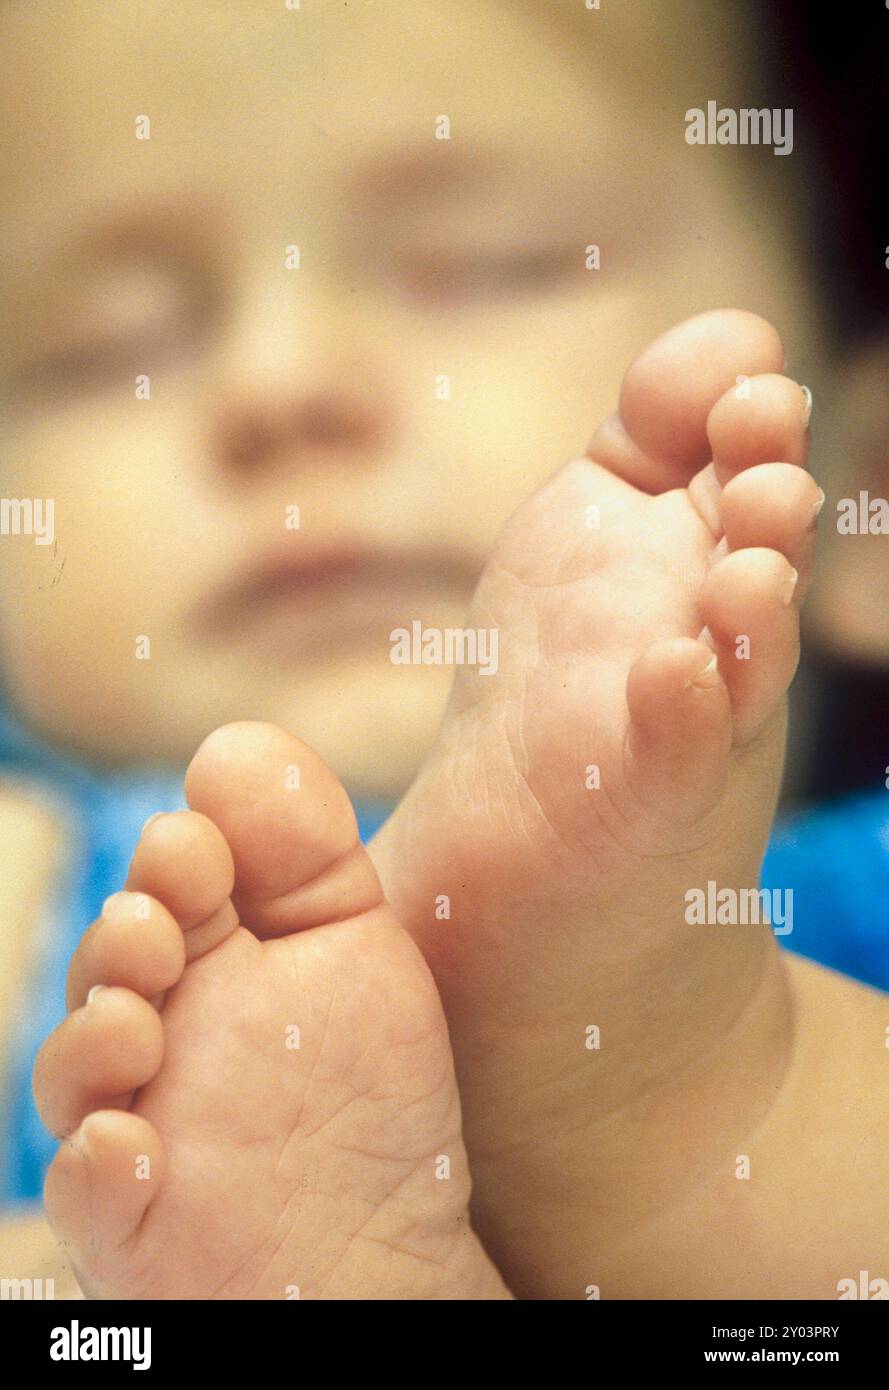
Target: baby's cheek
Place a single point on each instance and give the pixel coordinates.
(70, 630)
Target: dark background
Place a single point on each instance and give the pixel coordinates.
(831, 64)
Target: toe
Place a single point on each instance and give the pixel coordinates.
(135, 943)
(99, 1187)
(680, 728)
(96, 1058)
(290, 826)
(658, 439)
(747, 605)
(763, 419)
(183, 861)
(775, 505)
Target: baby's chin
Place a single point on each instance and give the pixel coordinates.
(372, 721)
(374, 724)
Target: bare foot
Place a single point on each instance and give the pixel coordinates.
(628, 752)
(259, 1101)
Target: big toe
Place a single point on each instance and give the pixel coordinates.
(658, 438)
(290, 827)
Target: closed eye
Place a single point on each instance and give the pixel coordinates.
(461, 277)
(131, 319)
(91, 360)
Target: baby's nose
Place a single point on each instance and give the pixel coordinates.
(298, 377)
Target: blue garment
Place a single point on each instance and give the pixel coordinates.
(105, 812)
(836, 860)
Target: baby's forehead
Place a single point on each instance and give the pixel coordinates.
(376, 60)
(206, 111)
(146, 96)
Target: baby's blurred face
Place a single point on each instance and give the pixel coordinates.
(319, 387)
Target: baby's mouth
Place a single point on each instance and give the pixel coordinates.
(320, 595)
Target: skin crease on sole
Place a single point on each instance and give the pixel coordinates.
(246, 1118)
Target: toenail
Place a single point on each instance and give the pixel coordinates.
(807, 394)
(116, 902)
(789, 585)
(820, 502)
(708, 677)
(157, 815)
(96, 989)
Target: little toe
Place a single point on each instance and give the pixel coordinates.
(658, 439)
(100, 1185)
(96, 1058)
(747, 605)
(763, 418)
(135, 943)
(290, 825)
(680, 731)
